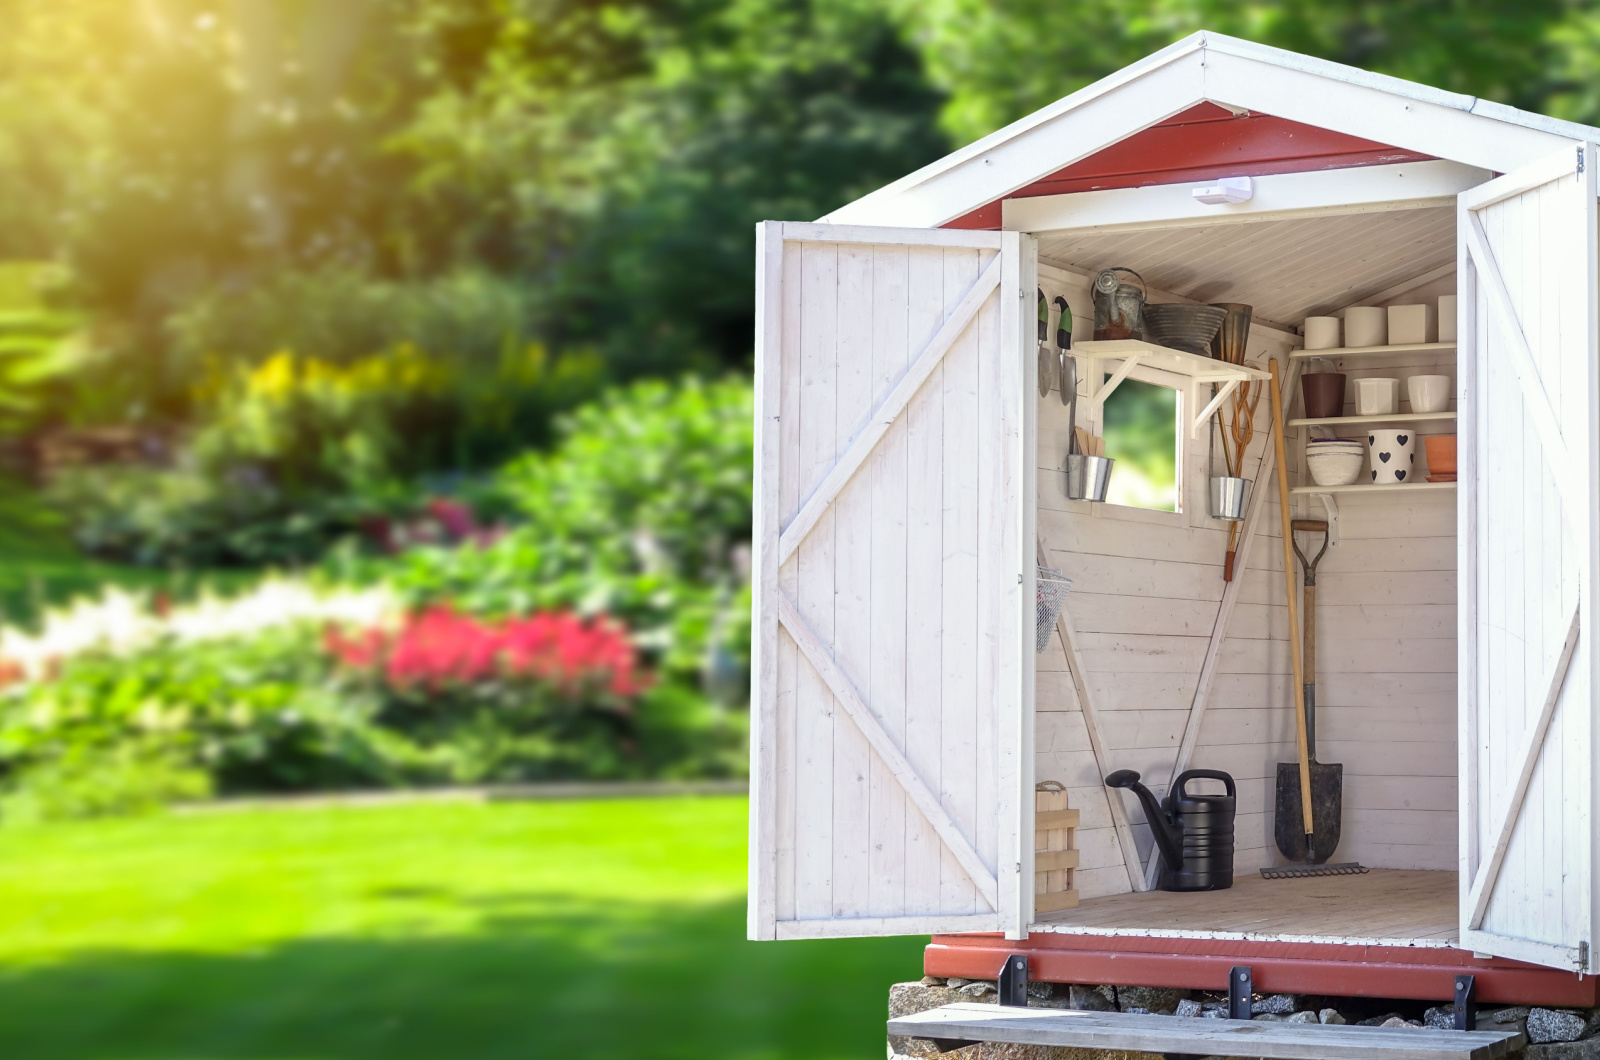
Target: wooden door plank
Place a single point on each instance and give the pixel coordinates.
(821, 660)
(1533, 392)
(1528, 755)
(884, 416)
(814, 713)
(924, 544)
(763, 884)
(886, 683)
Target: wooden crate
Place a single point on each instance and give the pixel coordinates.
(1055, 860)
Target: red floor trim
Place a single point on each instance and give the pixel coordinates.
(1276, 967)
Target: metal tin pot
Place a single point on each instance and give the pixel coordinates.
(1229, 497)
(1088, 477)
(1118, 306)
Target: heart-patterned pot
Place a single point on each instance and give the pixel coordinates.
(1393, 455)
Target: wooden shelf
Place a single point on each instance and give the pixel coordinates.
(1398, 417)
(1191, 367)
(1372, 487)
(1374, 351)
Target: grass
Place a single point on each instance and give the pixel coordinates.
(610, 929)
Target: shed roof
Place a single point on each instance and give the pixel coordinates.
(1236, 74)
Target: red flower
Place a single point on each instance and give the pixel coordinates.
(440, 647)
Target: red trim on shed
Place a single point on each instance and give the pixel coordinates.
(1205, 142)
(1276, 967)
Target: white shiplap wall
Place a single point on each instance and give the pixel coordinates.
(1147, 587)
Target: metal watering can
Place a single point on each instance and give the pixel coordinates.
(1118, 306)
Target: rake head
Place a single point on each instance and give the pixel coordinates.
(1300, 872)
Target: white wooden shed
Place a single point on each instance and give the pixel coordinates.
(909, 476)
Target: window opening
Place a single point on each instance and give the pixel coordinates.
(1142, 435)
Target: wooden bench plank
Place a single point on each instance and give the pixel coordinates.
(1055, 819)
(1174, 1034)
(1046, 860)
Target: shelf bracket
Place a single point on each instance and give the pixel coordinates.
(1228, 387)
(1330, 506)
(1129, 363)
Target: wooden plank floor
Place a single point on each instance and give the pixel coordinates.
(1383, 907)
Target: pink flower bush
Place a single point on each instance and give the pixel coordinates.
(441, 648)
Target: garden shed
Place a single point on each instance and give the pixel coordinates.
(911, 483)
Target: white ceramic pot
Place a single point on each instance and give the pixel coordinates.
(1377, 397)
(1429, 393)
(1409, 324)
(1393, 454)
(1336, 468)
(1447, 318)
(1366, 325)
(1322, 333)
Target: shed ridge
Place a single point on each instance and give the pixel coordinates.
(1207, 67)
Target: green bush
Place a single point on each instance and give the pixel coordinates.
(641, 511)
(296, 452)
(279, 711)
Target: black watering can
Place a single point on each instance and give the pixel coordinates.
(1193, 832)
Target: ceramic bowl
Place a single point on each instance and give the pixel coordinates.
(1393, 455)
(1336, 468)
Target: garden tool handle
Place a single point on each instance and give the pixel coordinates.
(1286, 522)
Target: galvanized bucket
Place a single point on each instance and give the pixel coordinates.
(1118, 306)
(1229, 497)
(1088, 477)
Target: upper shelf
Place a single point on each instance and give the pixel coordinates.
(1368, 487)
(1393, 417)
(1167, 359)
(1193, 368)
(1374, 351)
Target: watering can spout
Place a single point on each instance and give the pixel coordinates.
(1165, 831)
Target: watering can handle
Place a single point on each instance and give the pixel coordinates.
(1203, 774)
(1144, 287)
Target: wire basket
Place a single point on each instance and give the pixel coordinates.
(1048, 597)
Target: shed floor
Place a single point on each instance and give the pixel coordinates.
(1384, 907)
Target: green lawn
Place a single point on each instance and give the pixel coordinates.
(559, 929)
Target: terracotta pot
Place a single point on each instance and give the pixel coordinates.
(1441, 450)
(1323, 395)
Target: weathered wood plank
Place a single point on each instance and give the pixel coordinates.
(1121, 1031)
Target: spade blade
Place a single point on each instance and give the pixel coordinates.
(1327, 806)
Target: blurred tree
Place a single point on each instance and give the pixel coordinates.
(611, 154)
(999, 62)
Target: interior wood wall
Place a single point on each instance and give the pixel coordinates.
(1146, 592)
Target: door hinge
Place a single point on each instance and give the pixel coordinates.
(1580, 161)
(1583, 957)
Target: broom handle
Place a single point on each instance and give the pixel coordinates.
(1285, 518)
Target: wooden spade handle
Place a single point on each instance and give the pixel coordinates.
(1286, 521)
(1308, 661)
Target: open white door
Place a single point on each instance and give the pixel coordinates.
(892, 719)
(1527, 537)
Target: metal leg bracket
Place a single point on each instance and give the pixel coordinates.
(1466, 1003)
(1014, 981)
(1239, 993)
